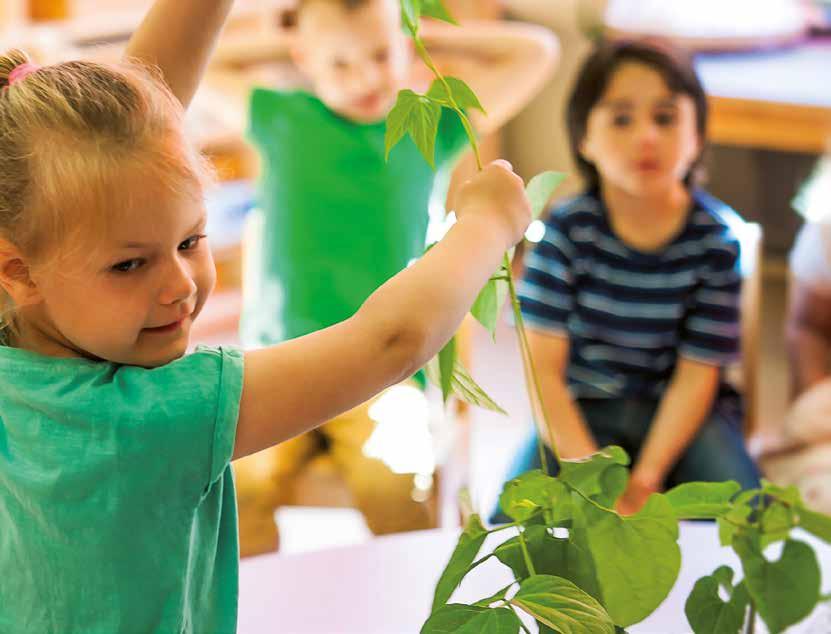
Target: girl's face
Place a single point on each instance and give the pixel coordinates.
(130, 294)
(640, 136)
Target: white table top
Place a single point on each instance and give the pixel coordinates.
(386, 586)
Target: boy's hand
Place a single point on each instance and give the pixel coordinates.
(498, 195)
(635, 496)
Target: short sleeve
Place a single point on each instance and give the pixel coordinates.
(809, 258)
(185, 415)
(262, 105)
(711, 329)
(546, 291)
(229, 395)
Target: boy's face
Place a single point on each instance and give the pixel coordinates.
(357, 59)
(641, 136)
(131, 294)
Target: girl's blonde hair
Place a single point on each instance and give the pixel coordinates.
(67, 132)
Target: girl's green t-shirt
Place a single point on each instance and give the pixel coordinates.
(335, 220)
(117, 508)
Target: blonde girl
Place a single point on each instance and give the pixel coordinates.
(117, 509)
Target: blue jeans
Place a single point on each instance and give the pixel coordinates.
(716, 454)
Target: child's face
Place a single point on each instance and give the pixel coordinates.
(640, 136)
(357, 59)
(131, 294)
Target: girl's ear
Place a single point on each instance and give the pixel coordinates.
(15, 277)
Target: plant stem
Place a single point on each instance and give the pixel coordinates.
(543, 424)
(425, 56)
(751, 620)
(480, 561)
(503, 527)
(525, 554)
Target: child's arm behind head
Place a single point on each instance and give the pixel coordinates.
(296, 386)
(178, 37)
(506, 64)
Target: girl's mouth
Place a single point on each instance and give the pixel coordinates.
(171, 327)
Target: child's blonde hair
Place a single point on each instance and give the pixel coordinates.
(67, 132)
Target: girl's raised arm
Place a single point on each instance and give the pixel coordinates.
(300, 384)
(178, 37)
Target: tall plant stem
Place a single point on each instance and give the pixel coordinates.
(532, 382)
(425, 57)
(751, 619)
(525, 554)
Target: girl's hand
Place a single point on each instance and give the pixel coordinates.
(498, 195)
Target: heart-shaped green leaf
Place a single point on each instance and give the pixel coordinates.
(636, 558)
(601, 476)
(489, 303)
(702, 500)
(785, 591)
(462, 94)
(551, 556)
(562, 606)
(531, 492)
(707, 613)
(776, 523)
(732, 522)
(547, 552)
(468, 619)
(417, 116)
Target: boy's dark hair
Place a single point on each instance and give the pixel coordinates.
(671, 63)
(288, 19)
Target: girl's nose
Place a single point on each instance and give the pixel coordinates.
(178, 286)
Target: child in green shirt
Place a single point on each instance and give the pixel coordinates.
(117, 507)
(335, 219)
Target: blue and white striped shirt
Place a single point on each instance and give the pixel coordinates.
(630, 314)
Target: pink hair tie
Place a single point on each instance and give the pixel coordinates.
(21, 72)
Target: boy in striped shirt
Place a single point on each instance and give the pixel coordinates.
(632, 295)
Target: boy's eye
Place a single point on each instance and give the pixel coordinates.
(665, 118)
(191, 243)
(382, 56)
(339, 64)
(128, 266)
(621, 120)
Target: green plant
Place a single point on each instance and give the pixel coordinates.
(579, 567)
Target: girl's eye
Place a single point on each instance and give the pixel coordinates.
(621, 120)
(664, 119)
(191, 243)
(128, 266)
(382, 56)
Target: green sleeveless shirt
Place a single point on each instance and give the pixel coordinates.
(334, 219)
